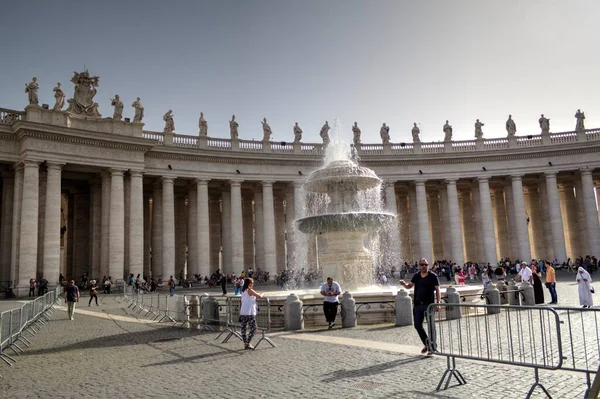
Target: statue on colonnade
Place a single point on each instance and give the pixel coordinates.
(447, 131)
(544, 124)
(82, 102)
(118, 104)
(356, 134)
(384, 132)
(31, 89)
(479, 130)
(580, 116)
(203, 125)
(59, 96)
(169, 122)
(139, 111)
(511, 127)
(233, 128)
(415, 133)
(267, 132)
(297, 133)
(325, 133)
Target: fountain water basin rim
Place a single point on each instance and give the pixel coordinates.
(345, 221)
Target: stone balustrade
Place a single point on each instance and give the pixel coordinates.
(10, 116)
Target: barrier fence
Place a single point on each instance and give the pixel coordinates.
(201, 312)
(29, 318)
(546, 338)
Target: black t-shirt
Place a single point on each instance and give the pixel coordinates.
(425, 288)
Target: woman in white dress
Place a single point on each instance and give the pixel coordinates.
(248, 311)
(584, 280)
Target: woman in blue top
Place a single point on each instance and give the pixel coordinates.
(248, 311)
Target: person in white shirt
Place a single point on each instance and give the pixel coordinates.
(248, 311)
(330, 290)
(525, 274)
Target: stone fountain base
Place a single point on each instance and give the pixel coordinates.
(345, 258)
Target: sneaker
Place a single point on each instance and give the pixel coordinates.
(424, 350)
(250, 347)
(332, 324)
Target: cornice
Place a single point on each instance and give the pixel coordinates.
(79, 140)
(234, 158)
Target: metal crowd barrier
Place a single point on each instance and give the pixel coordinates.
(547, 338)
(263, 319)
(29, 318)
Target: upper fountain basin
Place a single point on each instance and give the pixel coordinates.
(348, 221)
(341, 172)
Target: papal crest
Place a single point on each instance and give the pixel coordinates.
(82, 102)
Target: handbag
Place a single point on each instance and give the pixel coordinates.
(592, 290)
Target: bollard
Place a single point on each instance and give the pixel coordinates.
(452, 312)
(513, 297)
(293, 319)
(404, 314)
(210, 310)
(502, 288)
(528, 294)
(348, 310)
(194, 306)
(493, 298)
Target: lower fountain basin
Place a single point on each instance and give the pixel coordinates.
(349, 221)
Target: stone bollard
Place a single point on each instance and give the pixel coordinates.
(293, 319)
(492, 298)
(210, 310)
(404, 314)
(513, 297)
(502, 288)
(452, 312)
(194, 307)
(348, 310)
(528, 294)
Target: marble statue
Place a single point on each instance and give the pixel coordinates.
(415, 133)
(447, 132)
(384, 132)
(297, 133)
(356, 134)
(325, 133)
(82, 102)
(31, 89)
(203, 125)
(139, 111)
(233, 128)
(169, 122)
(544, 124)
(59, 96)
(580, 116)
(511, 127)
(118, 104)
(478, 130)
(267, 132)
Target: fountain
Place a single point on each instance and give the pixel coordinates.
(345, 209)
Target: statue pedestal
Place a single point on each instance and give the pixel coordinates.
(546, 139)
(479, 144)
(168, 138)
(297, 148)
(202, 141)
(512, 141)
(581, 136)
(387, 149)
(33, 113)
(447, 146)
(417, 147)
(266, 146)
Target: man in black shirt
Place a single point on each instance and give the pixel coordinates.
(426, 283)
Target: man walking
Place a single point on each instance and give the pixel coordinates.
(71, 297)
(330, 290)
(551, 282)
(426, 283)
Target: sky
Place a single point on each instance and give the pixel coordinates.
(308, 61)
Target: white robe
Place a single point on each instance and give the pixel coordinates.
(585, 293)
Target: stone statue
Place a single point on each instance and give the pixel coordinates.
(169, 122)
(478, 130)
(31, 89)
(60, 96)
(447, 132)
(325, 133)
(203, 125)
(511, 127)
(267, 132)
(384, 132)
(580, 116)
(415, 133)
(82, 102)
(297, 133)
(544, 124)
(118, 104)
(233, 128)
(139, 111)
(356, 134)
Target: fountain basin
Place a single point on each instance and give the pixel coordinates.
(348, 221)
(341, 173)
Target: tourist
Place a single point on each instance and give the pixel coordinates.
(584, 280)
(71, 297)
(551, 282)
(330, 290)
(93, 292)
(426, 284)
(107, 285)
(171, 284)
(248, 310)
(538, 289)
(223, 282)
(525, 274)
(31, 287)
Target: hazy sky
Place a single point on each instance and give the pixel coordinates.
(304, 61)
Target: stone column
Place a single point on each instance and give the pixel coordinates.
(477, 226)
(29, 224)
(51, 263)
(8, 191)
(487, 221)
(116, 242)
(203, 228)
(80, 232)
(591, 212)
(180, 235)
(569, 212)
(269, 228)
(466, 210)
(168, 228)
(520, 218)
(192, 231)
(414, 226)
(546, 229)
(555, 219)
(226, 266)
(136, 223)
(259, 229)
(501, 223)
(510, 218)
(584, 248)
(96, 229)
(237, 228)
(446, 228)
(532, 204)
(404, 228)
(290, 241)
(598, 196)
(248, 226)
(157, 227)
(393, 253)
(425, 250)
(454, 223)
(147, 238)
(435, 225)
(42, 178)
(105, 222)
(215, 233)
(301, 253)
(16, 224)
(279, 231)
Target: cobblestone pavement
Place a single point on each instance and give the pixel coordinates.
(106, 352)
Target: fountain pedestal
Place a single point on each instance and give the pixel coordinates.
(345, 259)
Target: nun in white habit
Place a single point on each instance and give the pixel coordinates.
(584, 281)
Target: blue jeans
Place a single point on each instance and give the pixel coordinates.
(419, 318)
(552, 289)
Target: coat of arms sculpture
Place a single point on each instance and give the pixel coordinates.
(82, 102)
